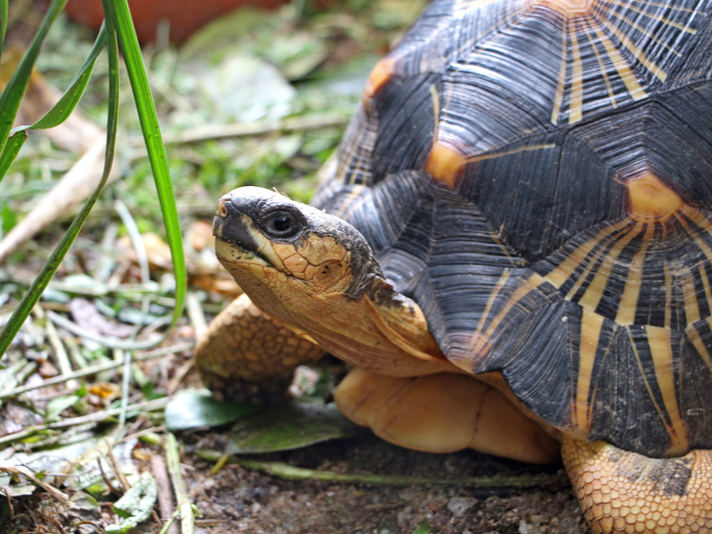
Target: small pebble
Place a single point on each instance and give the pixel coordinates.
(459, 505)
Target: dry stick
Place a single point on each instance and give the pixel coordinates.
(179, 375)
(97, 369)
(290, 472)
(165, 498)
(195, 314)
(60, 353)
(108, 341)
(132, 292)
(187, 521)
(197, 135)
(97, 417)
(25, 472)
(116, 466)
(76, 185)
(197, 320)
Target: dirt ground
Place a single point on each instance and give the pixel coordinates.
(241, 500)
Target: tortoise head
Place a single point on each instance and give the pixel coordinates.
(285, 254)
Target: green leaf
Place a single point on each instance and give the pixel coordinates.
(8, 218)
(117, 14)
(289, 426)
(40, 283)
(9, 153)
(3, 23)
(423, 528)
(60, 111)
(57, 405)
(197, 409)
(135, 505)
(12, 95)
(69, 100)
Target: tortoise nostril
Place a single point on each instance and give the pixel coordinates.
(221, 211)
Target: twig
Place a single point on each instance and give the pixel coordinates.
(290, 472)
(130, 292)
(75, 354)
(116, 466)
(207, 133)
(75, 186)
(124, 355)
(135, 236)
(195, 314)
(107, 341)
(97, 369)
(165, 499)
(24, 471)
(60, 353)
(184, 507)
(97, 417)
(179, 375)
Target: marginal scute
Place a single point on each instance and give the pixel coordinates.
(445, 164)
(380, 74)
(651, 201)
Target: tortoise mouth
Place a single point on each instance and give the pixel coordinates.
(233, 226)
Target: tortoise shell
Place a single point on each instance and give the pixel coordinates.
(537, 175)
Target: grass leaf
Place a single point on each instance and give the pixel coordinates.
(117, 11)
(69, 100)
(12, 95)
(9, 153)
(3, 23)
(40, 283)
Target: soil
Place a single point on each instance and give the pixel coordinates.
(240, 500)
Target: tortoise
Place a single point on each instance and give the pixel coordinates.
(513, 248)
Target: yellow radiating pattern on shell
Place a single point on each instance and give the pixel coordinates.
(568, 8)
(651, 201)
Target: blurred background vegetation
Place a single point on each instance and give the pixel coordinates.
(257, 96)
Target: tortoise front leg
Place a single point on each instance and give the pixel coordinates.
(246, 355)
(623, 491)
(443, 412)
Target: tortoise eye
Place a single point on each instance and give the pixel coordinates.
(281, 224)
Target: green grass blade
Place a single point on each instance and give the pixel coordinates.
(9, 153)
(61, 110)
(117, 11)
(69, 100)
(12, 95)
(43, 278)
(3, 23)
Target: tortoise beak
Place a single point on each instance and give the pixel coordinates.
(232, 223)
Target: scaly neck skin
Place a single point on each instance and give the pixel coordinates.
(382, 333)
(378, 329)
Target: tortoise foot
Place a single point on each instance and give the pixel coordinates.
(246, 356)
(626, 492)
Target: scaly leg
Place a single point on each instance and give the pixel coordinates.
(626, 492)
(244, 354)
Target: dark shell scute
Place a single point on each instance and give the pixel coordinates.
(493, 171)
